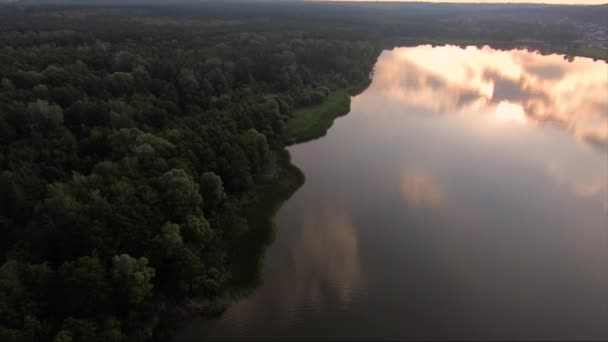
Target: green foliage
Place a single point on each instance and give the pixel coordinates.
(197, 231)
(180, 194)
(170, 239)
(12, 293)
(42, 113)
(212, 190)
(105, 329)
(119, 83)
(132, 277)
(85, 287)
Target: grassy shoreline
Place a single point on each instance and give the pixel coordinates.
(312, 122)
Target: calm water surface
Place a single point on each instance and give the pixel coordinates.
(464, 197)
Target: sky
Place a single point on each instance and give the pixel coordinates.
(562, 2)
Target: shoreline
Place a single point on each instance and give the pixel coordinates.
(312, 122)
(268, 197)
(567, 50)
(261, 206)
(307, 123)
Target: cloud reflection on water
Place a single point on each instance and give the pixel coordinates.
(326, 253)
(420, 189)
(323, 266)
(546, 89)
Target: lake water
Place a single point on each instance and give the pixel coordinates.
(464, 197)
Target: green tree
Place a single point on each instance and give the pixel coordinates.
(43, 114)
(170, 239)
(256, 149)
(76, 330)
(180, 194)
(120, 83)
(132, 277)
(212, 190)
(85, 287)
(197, 230)
(14, 296)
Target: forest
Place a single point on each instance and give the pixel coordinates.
(142, 147)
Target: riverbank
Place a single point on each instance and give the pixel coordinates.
(308, 123)
(312, 122)
(331, 259)
(266, 198)
(261, 205)
(566, 49)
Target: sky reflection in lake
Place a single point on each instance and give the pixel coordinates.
(464, 197)
(510, 85)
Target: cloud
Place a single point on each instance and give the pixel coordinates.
(448, 79)
(420, 189)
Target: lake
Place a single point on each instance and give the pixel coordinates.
(463, 197)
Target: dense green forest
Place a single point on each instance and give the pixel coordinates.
(141, 148)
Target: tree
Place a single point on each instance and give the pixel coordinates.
(41, 91)
(180, 194)
(212, 190)
(126, 61)
(55, 75)
(209, 283)
(132, 277)
(85, 287)
(197, 231)
(142, 78)
(26, 79)
(6, 84)
(43, 114)
(187, 81)
(120, 83)
(170, 239)
(13, 294)
(256, 149)
(75, 330)
(234, 169)
(65, 95)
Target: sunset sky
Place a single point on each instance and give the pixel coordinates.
(562, 2)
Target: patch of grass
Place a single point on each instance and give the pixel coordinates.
(312, 122)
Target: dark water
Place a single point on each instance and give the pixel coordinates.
(464, 197)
